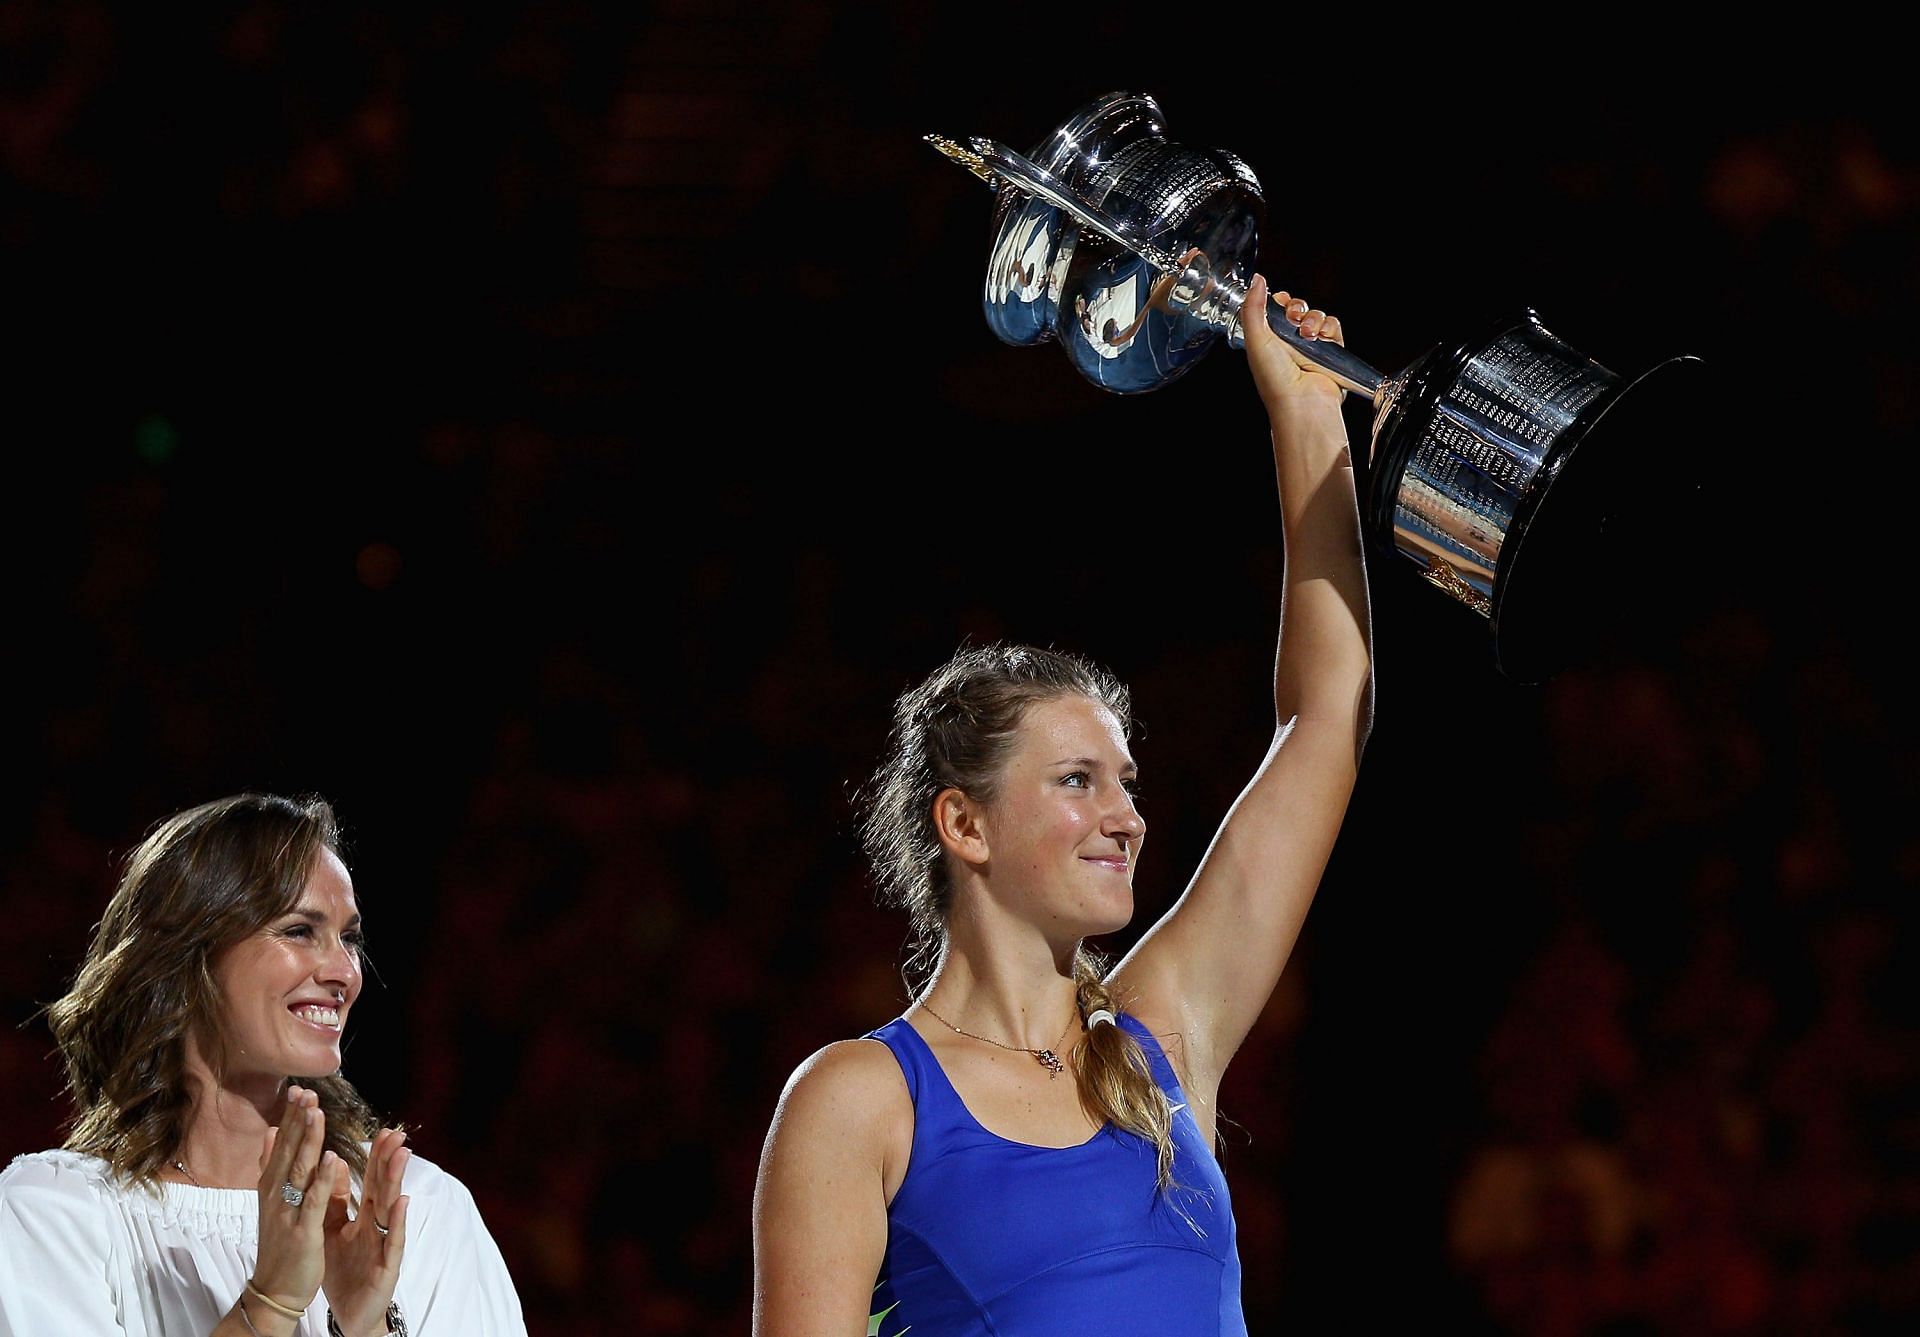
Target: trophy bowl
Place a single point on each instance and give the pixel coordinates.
(1527, 481)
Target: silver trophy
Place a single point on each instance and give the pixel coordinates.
(1133, 252)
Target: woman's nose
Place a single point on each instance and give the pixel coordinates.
(338, 965)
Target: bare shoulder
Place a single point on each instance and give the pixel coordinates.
(847, 1097)
(835, 1155)
(864, 1066)
(849, 1085)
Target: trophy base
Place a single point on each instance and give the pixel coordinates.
(1598, 559)
(1482, 474)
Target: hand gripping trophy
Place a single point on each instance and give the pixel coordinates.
(1517, 473)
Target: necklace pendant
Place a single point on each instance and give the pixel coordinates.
(1048, 1060)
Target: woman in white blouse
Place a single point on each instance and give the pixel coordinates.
(221, 1177)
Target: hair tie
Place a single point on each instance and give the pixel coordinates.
(1099, 1015)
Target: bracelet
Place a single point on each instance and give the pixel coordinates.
(272, 1303)
(396, 1322)
(245, 1317)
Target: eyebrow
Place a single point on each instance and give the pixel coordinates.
(1094, 763)
(316, 917)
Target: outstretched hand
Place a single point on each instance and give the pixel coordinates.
(1278, 372)
(363, 1248)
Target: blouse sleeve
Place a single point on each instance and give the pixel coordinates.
(453, 1280)
(54, 1253)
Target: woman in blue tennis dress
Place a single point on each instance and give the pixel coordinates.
(1029, 1148)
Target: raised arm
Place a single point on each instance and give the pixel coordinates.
(836, 1151)
(1202, 974)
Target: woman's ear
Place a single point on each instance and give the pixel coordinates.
(961, 826)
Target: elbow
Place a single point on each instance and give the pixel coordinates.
(1334, 691)
(1363, 723)
(1358, 709)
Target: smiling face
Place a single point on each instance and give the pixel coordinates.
(1062, 831)
(286, 989)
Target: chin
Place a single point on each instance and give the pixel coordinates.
(310, 1062)
(312, 1054)
(1112, 920)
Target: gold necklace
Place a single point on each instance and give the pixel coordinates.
(1046, 1058)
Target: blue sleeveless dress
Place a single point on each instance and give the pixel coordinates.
(989, 1236)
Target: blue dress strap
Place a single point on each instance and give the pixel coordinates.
(910, 1052)
(1157, 1061)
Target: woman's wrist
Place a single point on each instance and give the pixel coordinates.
(1308, 429)
(257, 1320)
(1306, 402)
(275, 1303)
(389, 1320)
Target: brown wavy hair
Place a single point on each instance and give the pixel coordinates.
(955, 731)
(201, 881)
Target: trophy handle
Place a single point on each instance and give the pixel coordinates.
(1351, 372)
(1219, 300)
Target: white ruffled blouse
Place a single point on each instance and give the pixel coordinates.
(81, 1253)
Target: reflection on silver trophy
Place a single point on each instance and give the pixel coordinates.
(1133, 252)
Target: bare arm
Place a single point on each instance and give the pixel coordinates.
(835, 1152)
(1207, 969)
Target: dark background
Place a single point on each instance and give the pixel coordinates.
(556, 433)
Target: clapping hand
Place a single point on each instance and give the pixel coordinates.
(294, 1173)
(363, 1248)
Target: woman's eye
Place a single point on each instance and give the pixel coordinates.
(357, 941)
(1077, 778)
(298, 930)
